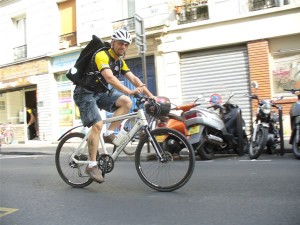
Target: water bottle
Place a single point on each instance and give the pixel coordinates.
(118, 140)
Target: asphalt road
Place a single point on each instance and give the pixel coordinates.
(226, 191)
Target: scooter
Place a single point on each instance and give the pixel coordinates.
(295, 124)
(267, 128)
(208, 131)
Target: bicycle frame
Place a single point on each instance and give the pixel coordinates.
(140, 122)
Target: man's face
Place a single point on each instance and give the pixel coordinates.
(120, 47)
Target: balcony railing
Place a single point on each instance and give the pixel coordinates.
(20, 52)
(67, 40)
(127, 24)
(198, 10)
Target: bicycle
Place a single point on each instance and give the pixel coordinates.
(7, 134)
(168, 169)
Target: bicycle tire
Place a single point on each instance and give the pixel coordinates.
(129, 151)
(175, 171)
(71, 173)
(257, 146)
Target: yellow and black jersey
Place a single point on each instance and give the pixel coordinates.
(104, 60)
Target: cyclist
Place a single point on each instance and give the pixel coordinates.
(110, 64)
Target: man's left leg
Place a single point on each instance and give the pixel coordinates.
(123, 104)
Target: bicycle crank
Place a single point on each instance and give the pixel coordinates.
(105, 163)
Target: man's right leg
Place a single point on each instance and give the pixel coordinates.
(93, 143)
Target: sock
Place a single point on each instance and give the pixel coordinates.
(92, 164)
(108, 132)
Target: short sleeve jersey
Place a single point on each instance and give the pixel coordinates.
(104, 60)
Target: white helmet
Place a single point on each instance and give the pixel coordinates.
(121, 35)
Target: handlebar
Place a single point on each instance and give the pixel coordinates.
(141, 100)
(292, 90)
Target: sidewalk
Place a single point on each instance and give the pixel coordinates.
(37, 147)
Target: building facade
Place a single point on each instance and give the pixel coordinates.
(193, 47)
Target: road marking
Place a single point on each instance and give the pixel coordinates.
(255, 160)
(19, 156)
(6, 211)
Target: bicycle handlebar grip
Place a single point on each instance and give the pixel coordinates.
(137, 96)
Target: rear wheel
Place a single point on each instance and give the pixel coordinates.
(206, 150)
(176, 165)
(72, 173)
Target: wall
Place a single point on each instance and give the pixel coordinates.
(42, 28)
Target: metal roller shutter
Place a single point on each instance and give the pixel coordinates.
(217, 71)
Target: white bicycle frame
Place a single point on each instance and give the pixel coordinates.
(140, 121)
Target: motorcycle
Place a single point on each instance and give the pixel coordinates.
(208, 131)
(295, 124)
(267, 130)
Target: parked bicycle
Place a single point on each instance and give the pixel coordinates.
(163, 171)
(7, 134)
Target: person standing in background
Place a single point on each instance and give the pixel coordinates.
(31, 123)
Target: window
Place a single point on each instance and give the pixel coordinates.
(286, 72)
(124, 15)
(67, 11)
(20, 49)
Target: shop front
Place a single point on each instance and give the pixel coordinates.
(18, 97)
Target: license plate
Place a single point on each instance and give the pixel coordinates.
(161, 138)
(194, 130)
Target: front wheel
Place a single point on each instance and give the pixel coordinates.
(257, 146)
(175, 166)
(72, 173)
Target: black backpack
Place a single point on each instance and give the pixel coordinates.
(78, 72)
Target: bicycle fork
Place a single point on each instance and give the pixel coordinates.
(157, 148)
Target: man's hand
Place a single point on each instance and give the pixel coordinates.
(135, 91)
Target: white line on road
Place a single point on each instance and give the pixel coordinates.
(20, 156)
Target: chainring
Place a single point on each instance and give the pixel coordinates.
(105, 163)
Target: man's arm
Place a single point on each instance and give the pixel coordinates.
(113, 81)
(138, 84)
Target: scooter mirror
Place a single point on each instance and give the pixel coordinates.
(254, 84)
(199, 97)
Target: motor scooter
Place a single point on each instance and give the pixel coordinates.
(210, 132)
(295, 124)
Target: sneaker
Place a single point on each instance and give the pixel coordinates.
(109, 139)
(95, 173)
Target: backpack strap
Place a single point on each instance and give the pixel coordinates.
(97, 73)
